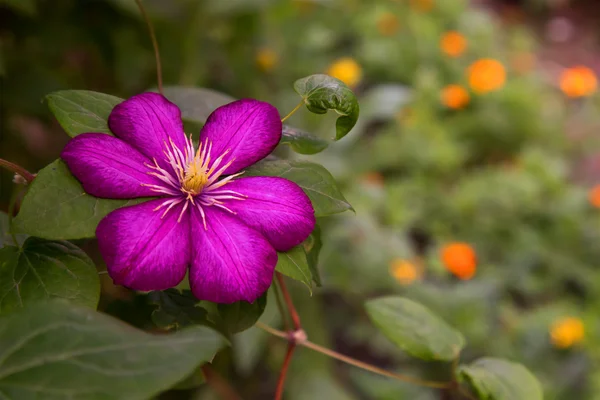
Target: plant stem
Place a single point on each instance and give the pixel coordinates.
(284, 315)
(288, 300)
(284, 370)
(218, 384)
(17, 169)
(154, 44)
(357, 363)
(293, 111)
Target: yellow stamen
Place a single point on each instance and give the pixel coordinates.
(196, 176)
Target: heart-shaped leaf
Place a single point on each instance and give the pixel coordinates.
(322, 93)
(57, 351)
(302, 142)
(295, 265)
(44, 270)
(57, 207)
(415, 329)
(314, 179)
(80, 111)
(498, 379)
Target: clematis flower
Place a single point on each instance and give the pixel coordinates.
(205, 216)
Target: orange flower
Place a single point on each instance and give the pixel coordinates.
(578, 81)
(460, 259)
(346, 70)
(486, 75)
(404, 271)
(453, 43)
(266, 59)
(455, 97)
(388, 24)
(567, 332)
(594, 196)
(422, 5)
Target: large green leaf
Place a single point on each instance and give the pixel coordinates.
(55, 351)
(56, 206)
(415, 329)
(80, 111)
(295, 265)
(313, 178)
(6, 239)
(498, 379)
(322, 93)
(44, 270)
(302, 142)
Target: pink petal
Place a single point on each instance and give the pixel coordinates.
(142, 250)
(230, 261)
(108, 167)
(276, 207)
(148, 121)
(249, 129)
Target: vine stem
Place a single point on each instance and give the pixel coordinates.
(288, 301)
(154, 44)
(218, 384)
(17, 169)
(354, 362)
(293, 111)
(284, 368)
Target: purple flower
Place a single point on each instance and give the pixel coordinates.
(226, 228)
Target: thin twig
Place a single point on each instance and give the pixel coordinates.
(17, 169)
(293, 111)
(288, 300)
(357, 363)
(284, 370)
(154, 44)
(284, 315)
(218, 384)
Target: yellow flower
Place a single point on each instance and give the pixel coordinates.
(346, 70)
(486, 75)
(266, 59)
(404, 271)
(453, 43)
(455, 97)
(388, 24)
(578, 81)
(566, 332)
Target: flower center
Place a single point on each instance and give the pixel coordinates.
(195, 177)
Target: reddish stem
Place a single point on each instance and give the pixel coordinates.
(17, 169)
(288, 302)
(284, 370)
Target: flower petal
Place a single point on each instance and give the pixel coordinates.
(276, 207)
(249, 129)
(230, 261)
(142, 250)
(147, 121)
(108, 167)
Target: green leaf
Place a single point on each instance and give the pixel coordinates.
(322, 93)
(415, 329)
(80, 111)
(241, 315)
(498, 379)
(196, 104)
(6, 238)
(56, 206)
(45, 270)
(314, 179)
(312, 247)
(302, 142)
(295, 265)
(55, 351)
(177, 309)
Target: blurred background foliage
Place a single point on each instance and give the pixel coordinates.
(472, 168)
